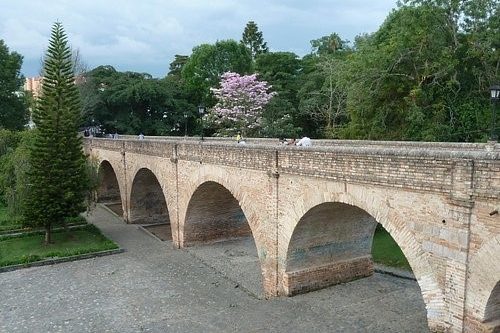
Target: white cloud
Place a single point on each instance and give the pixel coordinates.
(145, 35)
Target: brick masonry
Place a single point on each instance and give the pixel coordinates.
(312, 211)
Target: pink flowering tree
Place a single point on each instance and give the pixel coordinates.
(240, 102)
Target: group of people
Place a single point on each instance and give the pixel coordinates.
(304, 142)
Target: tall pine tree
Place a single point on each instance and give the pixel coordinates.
(57, 177)
(253, 40)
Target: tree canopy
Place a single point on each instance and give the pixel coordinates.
(133, 103)
(13, 110)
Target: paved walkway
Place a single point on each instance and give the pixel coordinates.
(154, 288)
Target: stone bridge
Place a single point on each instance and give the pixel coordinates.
(312, 211)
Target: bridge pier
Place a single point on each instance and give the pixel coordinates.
(313, 278)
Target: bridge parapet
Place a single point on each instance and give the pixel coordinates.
(148, 147)
(462, 169)
(246, 157)
(457, 146)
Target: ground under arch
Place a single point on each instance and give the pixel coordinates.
(217, 231)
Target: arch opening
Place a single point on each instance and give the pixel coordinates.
(492, 313)
(108, 191)
(214, 214)
(216, 230)
(147, 201)
(331, 244)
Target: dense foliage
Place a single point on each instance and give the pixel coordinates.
(424, 75)
(13, 110)
(57, 177)
(135, 102)
(14, 166)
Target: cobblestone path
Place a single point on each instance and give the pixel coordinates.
(154, 288)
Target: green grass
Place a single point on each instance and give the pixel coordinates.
(28, 248)
(386, 251)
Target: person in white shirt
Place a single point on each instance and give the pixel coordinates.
(304, 142)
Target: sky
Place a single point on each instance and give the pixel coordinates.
(144, 35)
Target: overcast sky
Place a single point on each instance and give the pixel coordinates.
(144, 35)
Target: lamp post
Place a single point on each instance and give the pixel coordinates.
(185, 124)
(495, 97)
(201, 111)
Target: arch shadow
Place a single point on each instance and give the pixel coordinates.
(332, 243)
(492, 311)
(214, 214)
(108, 191)
(147, 201)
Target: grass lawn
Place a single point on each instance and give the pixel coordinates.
(386, 251)
(6, 221)
(29, 248)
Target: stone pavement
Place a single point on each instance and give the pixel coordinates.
(154, 288)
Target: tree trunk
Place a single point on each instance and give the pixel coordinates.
(48, 234)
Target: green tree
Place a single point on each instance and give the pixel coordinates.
(253, 40)
(14, 166)
(282, 71)
(13, 110)
(58, 176)
(414, 79)
(424, 75)
(175, 67)
(323, 94)
(131, 103)
(208, 62)
(328, 44)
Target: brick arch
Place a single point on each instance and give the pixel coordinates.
(394, 223)
(328, 238)
(231, 184)
(483, 295)
(109, 188)
(147, 200)
(213, 213)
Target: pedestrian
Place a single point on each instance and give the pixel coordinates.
(238, 137)
(141, 136)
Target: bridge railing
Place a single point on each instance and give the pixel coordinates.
(438, 167)
(327, 143)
